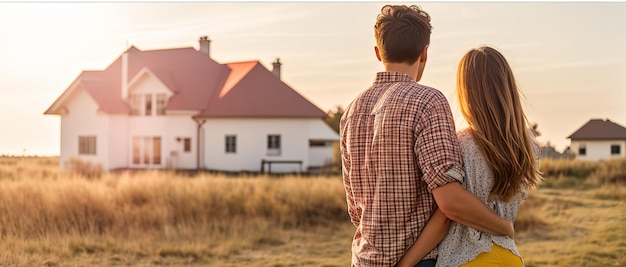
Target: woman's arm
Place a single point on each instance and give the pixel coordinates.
(465, 208)
(434, 231)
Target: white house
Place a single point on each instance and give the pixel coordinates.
(178, 108)
(599, 140)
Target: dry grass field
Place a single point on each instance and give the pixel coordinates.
(149, 218)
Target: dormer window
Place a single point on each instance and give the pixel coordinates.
(161, 101)
(135, 105)
(147, 104)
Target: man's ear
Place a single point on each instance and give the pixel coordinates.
(424, 54)
(377, 53)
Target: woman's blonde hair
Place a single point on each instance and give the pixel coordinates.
(490, 102)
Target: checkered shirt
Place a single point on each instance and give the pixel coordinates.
(398, 143)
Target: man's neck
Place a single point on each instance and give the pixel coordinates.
(410, 70)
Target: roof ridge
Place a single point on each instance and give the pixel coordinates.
(242, 62)
(166, 49)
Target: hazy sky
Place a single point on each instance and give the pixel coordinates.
(569, 58)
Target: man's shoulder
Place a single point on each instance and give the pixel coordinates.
(431, 91)
(405, 89)
(419, 91)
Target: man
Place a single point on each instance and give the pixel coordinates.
(400, 154)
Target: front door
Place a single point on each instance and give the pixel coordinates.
(146, 151)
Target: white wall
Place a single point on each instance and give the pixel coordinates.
(319, 130)
(83, 119)
(118, 149)
(181, 126)
(252, 143)
(598, 149)
(320, 156)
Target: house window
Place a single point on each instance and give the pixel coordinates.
(147, 104)
(187, 145)
(146, 150)
(161, 100)
(273, 145)
(86, 145)
(135, 105)
(231, 143)
(318, 143)
(615, 150)
(582, 150)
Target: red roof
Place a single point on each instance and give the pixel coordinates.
(598, 129)
(109, 103)
(243, 89)
(253, 91)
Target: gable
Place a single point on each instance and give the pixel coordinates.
(100, 92)
(146, 82)
(81, 102)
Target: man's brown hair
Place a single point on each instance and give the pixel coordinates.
(401, 33)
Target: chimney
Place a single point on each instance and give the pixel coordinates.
(204, 45)
(276, 69)
(125, 75)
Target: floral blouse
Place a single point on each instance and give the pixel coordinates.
(463, 244)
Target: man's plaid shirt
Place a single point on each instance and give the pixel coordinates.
(398, 143)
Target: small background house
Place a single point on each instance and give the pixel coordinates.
(178, 108)
(599, 140)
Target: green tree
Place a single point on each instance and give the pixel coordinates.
(534, 126)
(334, 117)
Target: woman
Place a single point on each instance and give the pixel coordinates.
(500, 161)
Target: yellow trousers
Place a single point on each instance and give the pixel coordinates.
(498, 257)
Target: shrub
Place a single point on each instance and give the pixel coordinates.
(610, 172)
(563, 173)
(84, 168)
(565, 167)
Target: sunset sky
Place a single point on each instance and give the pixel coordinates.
(569, 58)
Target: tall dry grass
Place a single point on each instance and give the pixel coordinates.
(212, 216)
(151, 218)
(577, 217)
(573, 227)
(566, 173)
